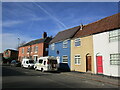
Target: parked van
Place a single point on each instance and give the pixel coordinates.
(47, 63)
(27, 63)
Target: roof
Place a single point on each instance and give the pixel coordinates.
(105, 24)
(42, 40)
(66, 34)
(11, 50)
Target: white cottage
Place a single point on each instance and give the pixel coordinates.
(106, 47)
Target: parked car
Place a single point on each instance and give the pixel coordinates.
(27, 63)
(46, 64)
(15, 63)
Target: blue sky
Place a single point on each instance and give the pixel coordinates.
(28, 20)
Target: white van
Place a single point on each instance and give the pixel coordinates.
(27, 63)
(48, 63)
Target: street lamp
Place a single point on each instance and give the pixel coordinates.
(18, 42)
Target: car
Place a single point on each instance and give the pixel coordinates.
(15, 63)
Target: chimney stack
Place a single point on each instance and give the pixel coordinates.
(44, 35)
(81, 26)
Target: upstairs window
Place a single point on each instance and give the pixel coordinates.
(28, 49)
(65, 59)
(36, 49)
(114, 35)
(52, 46)
(65, 44)
(77, 42)
(115, 59)
(22, 50)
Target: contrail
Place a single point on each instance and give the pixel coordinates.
(51, 15)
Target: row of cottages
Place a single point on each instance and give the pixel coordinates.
(35, 49)
(94, 48)
(90, 48)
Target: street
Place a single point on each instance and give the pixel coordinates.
(17, 77)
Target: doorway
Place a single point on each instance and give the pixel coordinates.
(88, 63)
(99, 64)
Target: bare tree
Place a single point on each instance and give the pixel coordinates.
(20, 44)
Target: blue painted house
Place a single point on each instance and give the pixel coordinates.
(60, 47)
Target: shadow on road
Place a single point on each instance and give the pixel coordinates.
(10, 72)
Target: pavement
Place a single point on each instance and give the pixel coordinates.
(96, 77)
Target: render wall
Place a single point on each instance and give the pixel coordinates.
(105, 48)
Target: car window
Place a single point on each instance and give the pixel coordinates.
(27, 62)
(40, 60)
(31, 61)
(44, 62)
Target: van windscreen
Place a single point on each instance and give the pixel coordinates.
(54, 61)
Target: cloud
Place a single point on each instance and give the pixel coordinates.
(10, 23)
(56, 19)
(10, 40)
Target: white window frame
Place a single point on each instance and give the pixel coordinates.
(76, 41)
(63, 58)
(22, 50)
(36, 49)
(32, 49)
(115, 59)
(65, 44)
(28, 51)
(114, 35)
(78, 58)
(53, 46)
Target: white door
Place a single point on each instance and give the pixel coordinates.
(35, 58)
(58, 59)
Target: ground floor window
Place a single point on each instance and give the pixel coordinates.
(115, 59)
(65, 59)
(77, 59)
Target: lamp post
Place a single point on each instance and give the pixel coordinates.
(18, 42)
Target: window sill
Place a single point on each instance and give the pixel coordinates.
(77, 64)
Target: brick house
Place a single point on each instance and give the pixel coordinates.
(35, 49)
(10, 54)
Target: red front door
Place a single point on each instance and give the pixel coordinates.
(99, 65)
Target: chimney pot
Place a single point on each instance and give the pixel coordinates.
(44, 35)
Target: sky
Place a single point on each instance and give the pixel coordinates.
(28, 20)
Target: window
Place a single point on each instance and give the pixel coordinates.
(22, 50)
(65, 44)
(52, 46)
(114, 35)
(77, 42)
(65, 59)
(40, 61)
(6, 53)
(115, 59)
(32, 49)
(46, 49)
(77, 59)
(28, 50)
(36, 49)
(44, 62)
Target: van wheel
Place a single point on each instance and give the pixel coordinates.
(28, 67)
(35, 68)
(22, 66)
(42, 70)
